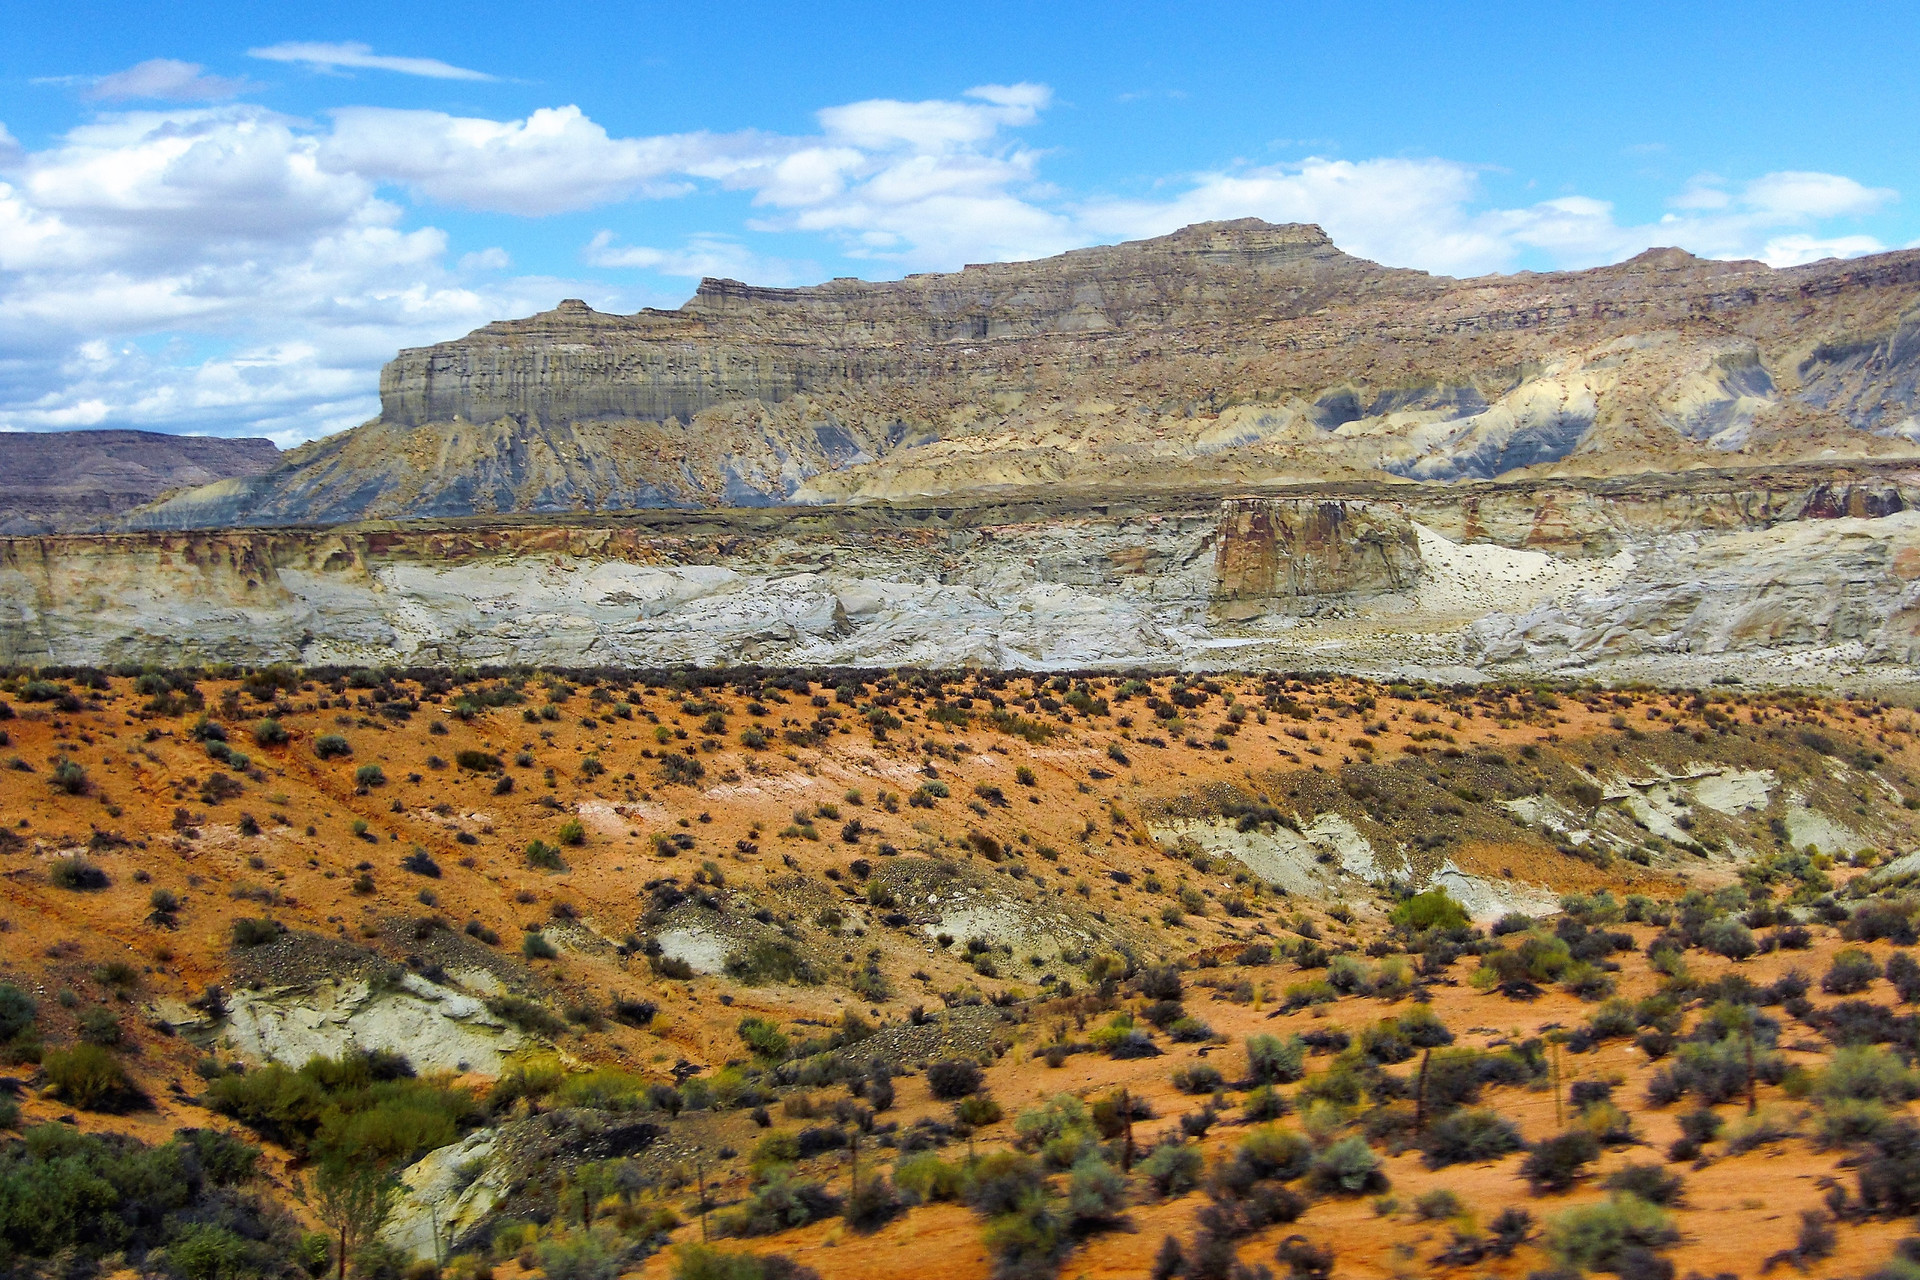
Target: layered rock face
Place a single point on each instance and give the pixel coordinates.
(1224, 356)
(61, 480)
(1797, 575)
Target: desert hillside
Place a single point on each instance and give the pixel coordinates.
(963, 974)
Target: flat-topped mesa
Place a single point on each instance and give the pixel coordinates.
(1221, 358)
(734, 341)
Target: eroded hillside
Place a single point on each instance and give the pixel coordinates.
(868, 961)
(1224, 356)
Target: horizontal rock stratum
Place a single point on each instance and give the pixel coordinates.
(1226, 355)
(1796, 575)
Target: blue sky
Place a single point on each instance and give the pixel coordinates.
(224, 218)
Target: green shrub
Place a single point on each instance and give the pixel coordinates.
(544, 856)
(698, 1262)
(90, 1078)
(1650, 1182)
(1430, 910)
(1852, 971)
(1868, 1073)
(361, 1105)
(370, 775)
(1468, 1137)
(17, 1011)
(763, 1038)
(249, 931)
(925, 1177)
(77, 874)
(1000, 1180)
(579, 1255)
(329, 746)
(1348, 1167)
(534, 946)
(1172, 1168)
(269, 733)
(68, 1199)
(779, 1204)
(477, 761)
(1601, 1237)
(1271, 1060)
(70, 776)
(1556, 1163)
(572, 833)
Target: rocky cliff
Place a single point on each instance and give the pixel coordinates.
(59, 480)
(1227, 355)
(1795, 575)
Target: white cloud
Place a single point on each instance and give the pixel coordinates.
(1430, 214)
(168, 79)
(493, 259)
(230, 269)
(1794, 250)
(1814, 195)
(554, 161)
(200, 270)
(322, 56)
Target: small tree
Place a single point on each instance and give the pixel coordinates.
(353, 1199)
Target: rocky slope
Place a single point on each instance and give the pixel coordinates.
(60, 480)
(1794, 575)
(1224, 355)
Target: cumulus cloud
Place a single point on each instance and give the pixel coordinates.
(554, 161)
(702, 255)
(1431, 214)
(225, 268)
(201, 270)
(331, 58)
(165, 79)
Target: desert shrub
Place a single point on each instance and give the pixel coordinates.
(1270, 1152)
(579, 1255)
(870, 1204)
(997, 1182)
(779, 1204)
(925, 1177)
(544, 856)
(1198, 1078)
(953, 1078)
(68, 1199)
(1881, 921)
(1848, 1122)
(534, 946)
(1348, 1167)
(88, 1077)
(977, 1111)
(77, 874)
(478, 761)
(1726, 936)
(1602, 1237)
(1430, 910)
(1172, 1168)
(1096, 1191)
(681, 770)
(249, 931)
(571, 832)
(70, 776)
(17, 1012)
(370, 775)
(1889, 1175)
(766, 961)
(1556, 1163)
(1434, 1205)
(1903, 971)
(329, 746)
(1713, 1073)
(763, 1038)
(1271, 1060)
(1852, 971)
(1649, 1182)
(421, 863)
(698, 1262)
(1769, 1124)
(1864, 1073)
(1421, 1027)
(1263, 1103)
(1468, 1137)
